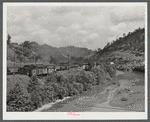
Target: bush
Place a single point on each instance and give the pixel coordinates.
(36, 91)
(99, 75)
(78, 86)
(75, 91)
(61, 93)
(17, 101)
(51, 78)
(111, 70)
(124, 99)
(71, 78)
(60, 79)
(48, 94)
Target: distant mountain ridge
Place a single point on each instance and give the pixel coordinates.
(45, 53)
(125, 50)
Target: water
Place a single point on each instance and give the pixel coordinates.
(96, 99)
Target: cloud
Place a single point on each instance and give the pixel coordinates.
(75, 26)
(95, 21)
(118, 28)
(83, 32)
(61, 29)
(89, 38)
(94, 35)
(128, 13)
(91, 26)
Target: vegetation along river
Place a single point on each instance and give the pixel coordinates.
(128, 96)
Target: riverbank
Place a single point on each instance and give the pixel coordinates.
(119, 73)
(46, 106)
(129, 96)
(105, 98)
(98, 91)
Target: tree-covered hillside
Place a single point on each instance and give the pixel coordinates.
(126, 49)
(32, 52)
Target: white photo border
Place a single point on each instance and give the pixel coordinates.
(64, 115)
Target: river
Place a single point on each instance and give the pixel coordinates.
(101, 98)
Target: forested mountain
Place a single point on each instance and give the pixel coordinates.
(33, 52)
(126, 49)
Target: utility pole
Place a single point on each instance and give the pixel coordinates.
(34, 59)
(68, 62)
(23, 56)
(14, 59)
(88, 56)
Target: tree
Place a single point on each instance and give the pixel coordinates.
(8, 39)
(124, 35)
(99, 49)
(37, 57)
(26, 44)
(129, 33)
(52, 60)
(108, 44)
(20, 57)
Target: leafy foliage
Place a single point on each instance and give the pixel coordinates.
(8, 39)
(56, 86)
(52, 60)
(17, 101)
(27, 44)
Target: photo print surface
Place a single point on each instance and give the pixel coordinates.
(75, 60)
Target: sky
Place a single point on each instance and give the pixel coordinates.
(82, 26)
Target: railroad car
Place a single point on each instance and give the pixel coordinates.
(63, 67)
(50, 68)
(29, 70)
(85, 66)
(74, 66)
(39, 69)
(12, 70)
(57, 67)
(45, 70)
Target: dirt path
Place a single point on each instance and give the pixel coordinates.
(105, 107)
(129, 96)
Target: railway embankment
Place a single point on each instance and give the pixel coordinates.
(28, 94)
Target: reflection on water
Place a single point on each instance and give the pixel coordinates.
(98, 95)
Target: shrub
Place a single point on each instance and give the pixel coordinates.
(61, 92)
(17, 101)
(124, 99)
(51, 78)
(71, 78)
(78, 86)
(36, 91)
(92, 78)
(85, 86)
(60, 79)
(75, 91)
(111, 70)
(99, 75)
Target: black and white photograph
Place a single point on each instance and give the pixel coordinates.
(75, 60)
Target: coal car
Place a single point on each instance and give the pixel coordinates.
(12, 70)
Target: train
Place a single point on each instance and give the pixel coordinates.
(41, 70)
